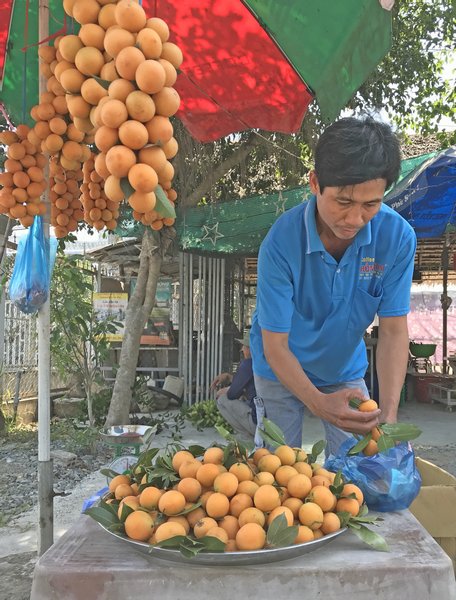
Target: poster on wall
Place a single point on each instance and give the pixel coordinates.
(158, 330)
(112, 305)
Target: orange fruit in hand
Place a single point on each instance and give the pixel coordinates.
(368, 406)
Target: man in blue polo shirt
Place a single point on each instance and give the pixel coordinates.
(325, 269)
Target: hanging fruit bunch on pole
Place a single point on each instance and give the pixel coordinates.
(23, 180)
(66, 145)
(119, 73)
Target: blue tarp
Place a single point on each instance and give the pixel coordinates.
(427, 196)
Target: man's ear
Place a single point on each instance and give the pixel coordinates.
(313, 183)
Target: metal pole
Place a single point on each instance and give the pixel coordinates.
(184, 327)
(208, 321)
(445, 302)
(190, 329)
(213, 291)
(217, 316)
(198, 336)
(205, 375)
(181, 316)
(222, 313)
(45, 475)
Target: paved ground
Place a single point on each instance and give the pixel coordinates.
(19, 540)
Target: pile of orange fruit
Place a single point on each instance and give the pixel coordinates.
(23, 180)
(236, 504)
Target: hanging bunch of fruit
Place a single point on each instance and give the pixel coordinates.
(118, 73)
(99, 210)
(23, 180)
(58, 136)
(66, 207)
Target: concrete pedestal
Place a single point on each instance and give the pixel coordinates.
(89, 564)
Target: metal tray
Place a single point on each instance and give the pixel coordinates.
(257, 557)
(127, 434)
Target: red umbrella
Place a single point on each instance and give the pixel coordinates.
(247, 64)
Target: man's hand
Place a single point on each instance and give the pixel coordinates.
(222, 379)
(335, 409)
(221, 391)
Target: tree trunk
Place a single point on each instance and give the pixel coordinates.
(141, 302)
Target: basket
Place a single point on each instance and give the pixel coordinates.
(422, 350)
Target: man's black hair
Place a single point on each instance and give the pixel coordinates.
(353, 150)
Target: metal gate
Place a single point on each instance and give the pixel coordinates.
(201, 319)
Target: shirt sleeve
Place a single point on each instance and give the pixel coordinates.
(274, 288)
(240, 381)
(396, 286)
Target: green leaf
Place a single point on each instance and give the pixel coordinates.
(317, 449)
(401, 432)
(280, 534)
(163, 205)
(272, 434)
(376, 541)
(385, 442)
(102, 515)
(126, 188)
(359, 446)
(109, 473)
(212, 544)
(196, 450)
(189, 510)
(173, 542)
(103, 82)
(126, 510)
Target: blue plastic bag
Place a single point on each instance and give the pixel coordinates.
(389, 480)
(30, 281)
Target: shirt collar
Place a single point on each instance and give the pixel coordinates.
(314, 243)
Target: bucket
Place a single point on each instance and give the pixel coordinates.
(174, 385)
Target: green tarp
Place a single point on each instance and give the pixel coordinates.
(239, 226)
(20, 84)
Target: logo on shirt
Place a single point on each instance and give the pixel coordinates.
(369, 268)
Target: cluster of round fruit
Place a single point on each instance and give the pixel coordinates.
(57, 134)
(99, 210)
(23, 180)
(66, 207)
(368, 406)
(130, 119)
(236, 505)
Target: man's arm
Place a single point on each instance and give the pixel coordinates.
(221, 379)
(391, 361)
(240, 380)
(330, 407)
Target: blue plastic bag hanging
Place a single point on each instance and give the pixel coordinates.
(389, 480)
(30, 281)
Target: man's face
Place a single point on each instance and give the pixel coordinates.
(343, 211)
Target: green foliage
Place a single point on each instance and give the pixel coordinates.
(78, 338)
(206, 414)
(78, 439)
(416, 82)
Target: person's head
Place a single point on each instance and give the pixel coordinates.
(356, 160)
(245, 344)
(354, 150)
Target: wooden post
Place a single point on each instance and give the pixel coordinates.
(45, 471)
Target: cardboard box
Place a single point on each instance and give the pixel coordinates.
(435, 506)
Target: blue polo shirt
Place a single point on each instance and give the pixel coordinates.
(325, 306)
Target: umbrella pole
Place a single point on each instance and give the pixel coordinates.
(445, 302)
(45, 472)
